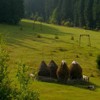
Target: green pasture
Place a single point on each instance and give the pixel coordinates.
(32, 42)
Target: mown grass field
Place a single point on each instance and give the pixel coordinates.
(36, 42)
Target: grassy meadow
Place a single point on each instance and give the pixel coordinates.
(32, 42)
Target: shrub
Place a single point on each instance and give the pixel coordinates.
(72, 37)
(40, 19)
(53, 68)
(98, 62)
(39, 36)
(24, 79)
(75, 71)
(62, 22)
(68, 23)
(90, 54)
(5, 89)
(56, 37)
(63, 72)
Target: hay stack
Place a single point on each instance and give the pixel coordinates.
(53, 68)
(43, 70)
(63, 72)
(75, 71)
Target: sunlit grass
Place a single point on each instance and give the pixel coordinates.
(25, 45)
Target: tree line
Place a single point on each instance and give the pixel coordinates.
(11, 11)
(78, 13)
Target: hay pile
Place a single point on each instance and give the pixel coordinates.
(53, 68)
(75, 71)
(43, 70)
(63, 72)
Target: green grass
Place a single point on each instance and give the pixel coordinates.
(24, 45)
(50, 91)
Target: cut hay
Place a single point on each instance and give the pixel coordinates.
(63, 72)
(75, 71)
(53, 68)
(43, 70)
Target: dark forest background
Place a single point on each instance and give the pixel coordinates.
(77, 13)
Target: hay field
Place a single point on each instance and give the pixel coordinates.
(36, 42)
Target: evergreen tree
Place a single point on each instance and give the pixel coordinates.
(76, 20)
(56, 16)
(11, 11)
(89, 14)
(80, 13)
(96, 13)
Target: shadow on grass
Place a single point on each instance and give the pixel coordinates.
(15, 35)
(42, 28)
(75, 83)
(83, 84)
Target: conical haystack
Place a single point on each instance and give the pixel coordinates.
(43, 70)
(63, 72)
(75, 71)
(53, 68)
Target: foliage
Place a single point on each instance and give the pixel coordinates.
(40, 19)
(79, 13)
(11, 11)
(69, 24)
(6, 91)
(24, 80)
(98, 62)
(56, 37)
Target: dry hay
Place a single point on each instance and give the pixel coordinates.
(53, 68)
(63, 72)
(43, 70)
(75, 71)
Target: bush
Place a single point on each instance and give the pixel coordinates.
(40, 19)
(62, 22)
(98, 62)
(69, 24)
(56, 37)
(39, 36)
(24, 79)
(72, 37)
(6, 92)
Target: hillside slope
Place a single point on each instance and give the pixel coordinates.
(33, 42)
